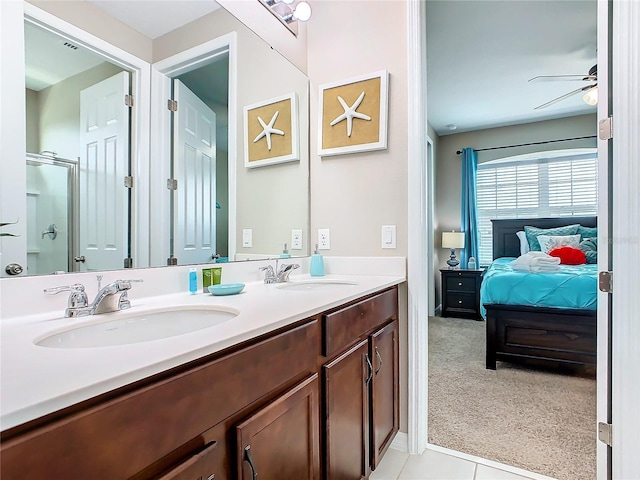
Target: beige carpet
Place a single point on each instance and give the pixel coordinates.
(539, 420)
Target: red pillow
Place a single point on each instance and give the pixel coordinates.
(569, 255)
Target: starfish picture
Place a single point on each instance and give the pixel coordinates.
(350, 113)
(268, 130)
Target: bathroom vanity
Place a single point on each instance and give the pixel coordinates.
(307, 391)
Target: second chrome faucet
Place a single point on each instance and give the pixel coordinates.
(282, 274)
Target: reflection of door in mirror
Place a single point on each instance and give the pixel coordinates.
(51, 183)
(200, 219)
(57, 73)
(194, 169)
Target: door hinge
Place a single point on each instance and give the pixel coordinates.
(605, 433)
(605, 128)
(128, 100)
(172, 184)
(172, 105)
(605, 282)
(128, 262)
(172, 261)
(128, 181)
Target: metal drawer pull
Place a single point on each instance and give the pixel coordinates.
(249, 460)
(459, 284)
(366, 382)
(379, 360)
(459, 301)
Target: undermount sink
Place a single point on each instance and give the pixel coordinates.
(137, 327)
(314, 285)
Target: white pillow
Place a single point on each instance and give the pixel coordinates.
(549, 242)
(524, 244)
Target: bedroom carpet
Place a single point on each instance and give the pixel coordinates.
(539, 420)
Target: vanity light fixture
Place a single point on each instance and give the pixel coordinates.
(289, 12)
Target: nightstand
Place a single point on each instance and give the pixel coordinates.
(461, 293)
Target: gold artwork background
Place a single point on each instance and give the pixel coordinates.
(364, 131)
(281, 145)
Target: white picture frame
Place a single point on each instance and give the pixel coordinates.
(271, 131)
(352, 114)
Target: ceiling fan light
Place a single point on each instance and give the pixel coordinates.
(302, 12)
(591, 97)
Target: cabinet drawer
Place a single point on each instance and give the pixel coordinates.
(147, 424)
(343, 327)
(461, 283)
(461, 301)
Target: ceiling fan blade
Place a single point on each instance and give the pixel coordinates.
(572, 78)
(566, 95)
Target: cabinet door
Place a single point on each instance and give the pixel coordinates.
(346, 381)
(281, 440)
(384, 390)
(202, 466)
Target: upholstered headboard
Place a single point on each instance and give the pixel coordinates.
(505, 241)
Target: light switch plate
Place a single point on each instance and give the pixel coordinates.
(324, 239)
(247, 237)
(388, 236)
(296, 239)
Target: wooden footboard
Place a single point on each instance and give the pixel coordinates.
(556, 336)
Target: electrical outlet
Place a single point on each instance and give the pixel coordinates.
(296, 239)
(247, 237)
(324, 239)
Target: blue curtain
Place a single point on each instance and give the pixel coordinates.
(469, 211)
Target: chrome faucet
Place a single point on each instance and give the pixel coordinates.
(107, 299)
(283, 273)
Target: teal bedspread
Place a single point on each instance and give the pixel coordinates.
(573, 286)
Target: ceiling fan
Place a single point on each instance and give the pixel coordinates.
(590, 91)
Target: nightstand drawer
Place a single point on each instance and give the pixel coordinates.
(461, 301)
(461, 283)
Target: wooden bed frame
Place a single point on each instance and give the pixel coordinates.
(549, 336)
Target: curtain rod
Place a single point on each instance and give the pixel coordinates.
(528, 144)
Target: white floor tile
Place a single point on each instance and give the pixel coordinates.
(487, 473)
(391, 465)
(437, 466)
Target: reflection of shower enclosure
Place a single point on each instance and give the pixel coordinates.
(51, 196)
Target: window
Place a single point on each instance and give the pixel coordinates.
(545, 184)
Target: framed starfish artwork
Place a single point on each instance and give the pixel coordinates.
(271, 131)
(353, 114)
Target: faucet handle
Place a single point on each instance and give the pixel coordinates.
(76, 287)
(126, 284)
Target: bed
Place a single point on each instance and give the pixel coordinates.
(540, 334)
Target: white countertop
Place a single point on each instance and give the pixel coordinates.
(39, 380)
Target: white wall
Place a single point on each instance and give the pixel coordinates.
(449, 166)
(354, 195)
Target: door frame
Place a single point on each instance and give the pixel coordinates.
(161, 151)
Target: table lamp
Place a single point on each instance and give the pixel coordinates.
(453, 240)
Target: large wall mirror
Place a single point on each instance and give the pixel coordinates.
(81, 213)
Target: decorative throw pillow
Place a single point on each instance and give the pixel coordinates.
(524, 245)
(590, 249)
(533, 232)
(569, 255)
(549, 242)
(587, 232)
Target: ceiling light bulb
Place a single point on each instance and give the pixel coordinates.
(302, 11)
(591, 97)
(288, 2)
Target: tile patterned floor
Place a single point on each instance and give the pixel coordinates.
(439, 464)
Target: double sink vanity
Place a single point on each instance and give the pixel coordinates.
(296, 380)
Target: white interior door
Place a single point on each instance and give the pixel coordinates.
(104, 164)
(194, 168)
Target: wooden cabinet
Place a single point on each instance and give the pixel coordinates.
(461, 293)
(281, 440)
(315, 399)
(361, 386)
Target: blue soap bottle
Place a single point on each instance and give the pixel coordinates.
(316, 269)
(193, 281)
(285, 253)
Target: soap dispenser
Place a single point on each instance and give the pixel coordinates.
(316, 269)
(285, 252)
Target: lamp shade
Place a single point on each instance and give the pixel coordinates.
(452, 240)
